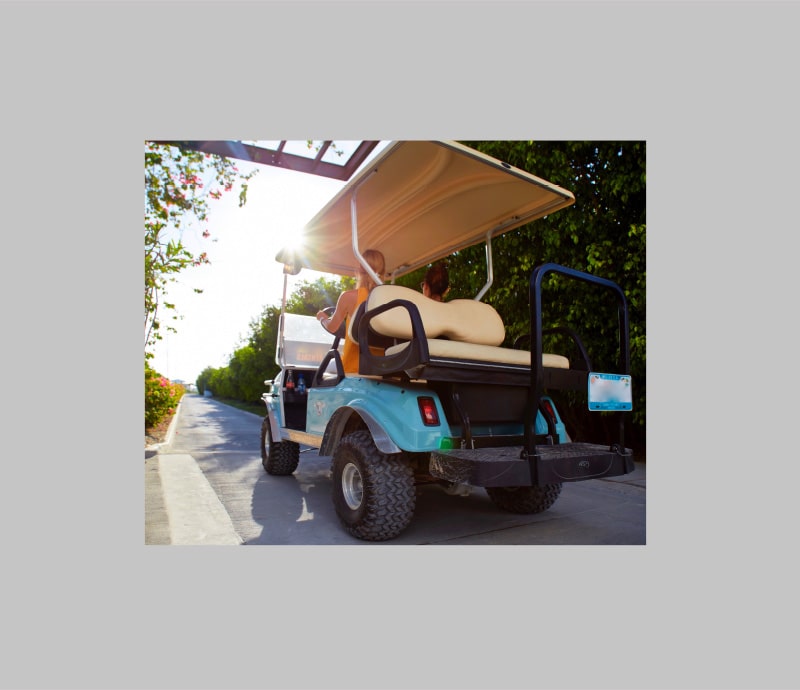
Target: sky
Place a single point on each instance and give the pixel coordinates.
(243, 276)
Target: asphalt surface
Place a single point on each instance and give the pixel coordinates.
(205, 485)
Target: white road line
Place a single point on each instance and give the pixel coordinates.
(195, 513)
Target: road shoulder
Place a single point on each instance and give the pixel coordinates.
(194, 511)
(156, 522)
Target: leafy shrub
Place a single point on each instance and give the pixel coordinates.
(161, 396)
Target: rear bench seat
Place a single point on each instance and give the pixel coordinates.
(459, 335)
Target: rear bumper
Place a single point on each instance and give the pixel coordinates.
(510, 466)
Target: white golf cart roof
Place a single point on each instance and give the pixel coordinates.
(420, 201)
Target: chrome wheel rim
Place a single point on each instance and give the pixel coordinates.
(352, 486)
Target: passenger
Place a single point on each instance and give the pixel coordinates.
(436, 283)
(347, 305)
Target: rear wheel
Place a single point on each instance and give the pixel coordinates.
(524, 499)
(373, 493)
(278, 458)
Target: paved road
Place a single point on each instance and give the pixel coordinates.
(206, 485)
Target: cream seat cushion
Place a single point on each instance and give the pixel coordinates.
(451, 349)
(463, 320)
(461, 329)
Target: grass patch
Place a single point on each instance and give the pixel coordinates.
(256, 408)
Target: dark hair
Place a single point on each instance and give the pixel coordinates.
(437, 279)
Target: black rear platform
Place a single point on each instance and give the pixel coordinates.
(549, 464)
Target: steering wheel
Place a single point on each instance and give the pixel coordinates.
(330, 311)
(333, 354)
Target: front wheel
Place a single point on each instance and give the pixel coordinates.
(524, 499)
(373, 493)
(280, 458)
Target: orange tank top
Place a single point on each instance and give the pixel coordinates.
(350, 351)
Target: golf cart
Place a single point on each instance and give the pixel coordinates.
(444, 401)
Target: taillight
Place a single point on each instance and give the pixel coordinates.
(427, 408)
(548, 408)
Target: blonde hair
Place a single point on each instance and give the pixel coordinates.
(376, 262)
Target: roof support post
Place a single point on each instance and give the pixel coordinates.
(489, 268)
(354, 221)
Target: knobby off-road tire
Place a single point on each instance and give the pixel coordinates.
(373, 493)
(278, 459)
(524, 499)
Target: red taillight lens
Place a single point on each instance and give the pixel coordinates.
(427, 408)
(548, 408)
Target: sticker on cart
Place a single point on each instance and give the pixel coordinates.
(610, 392)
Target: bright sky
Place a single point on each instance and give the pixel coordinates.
(243, 276)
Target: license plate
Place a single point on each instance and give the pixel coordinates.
(610, 392)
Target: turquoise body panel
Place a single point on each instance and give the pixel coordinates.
(393, 406)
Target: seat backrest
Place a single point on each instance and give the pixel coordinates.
(463, 320)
